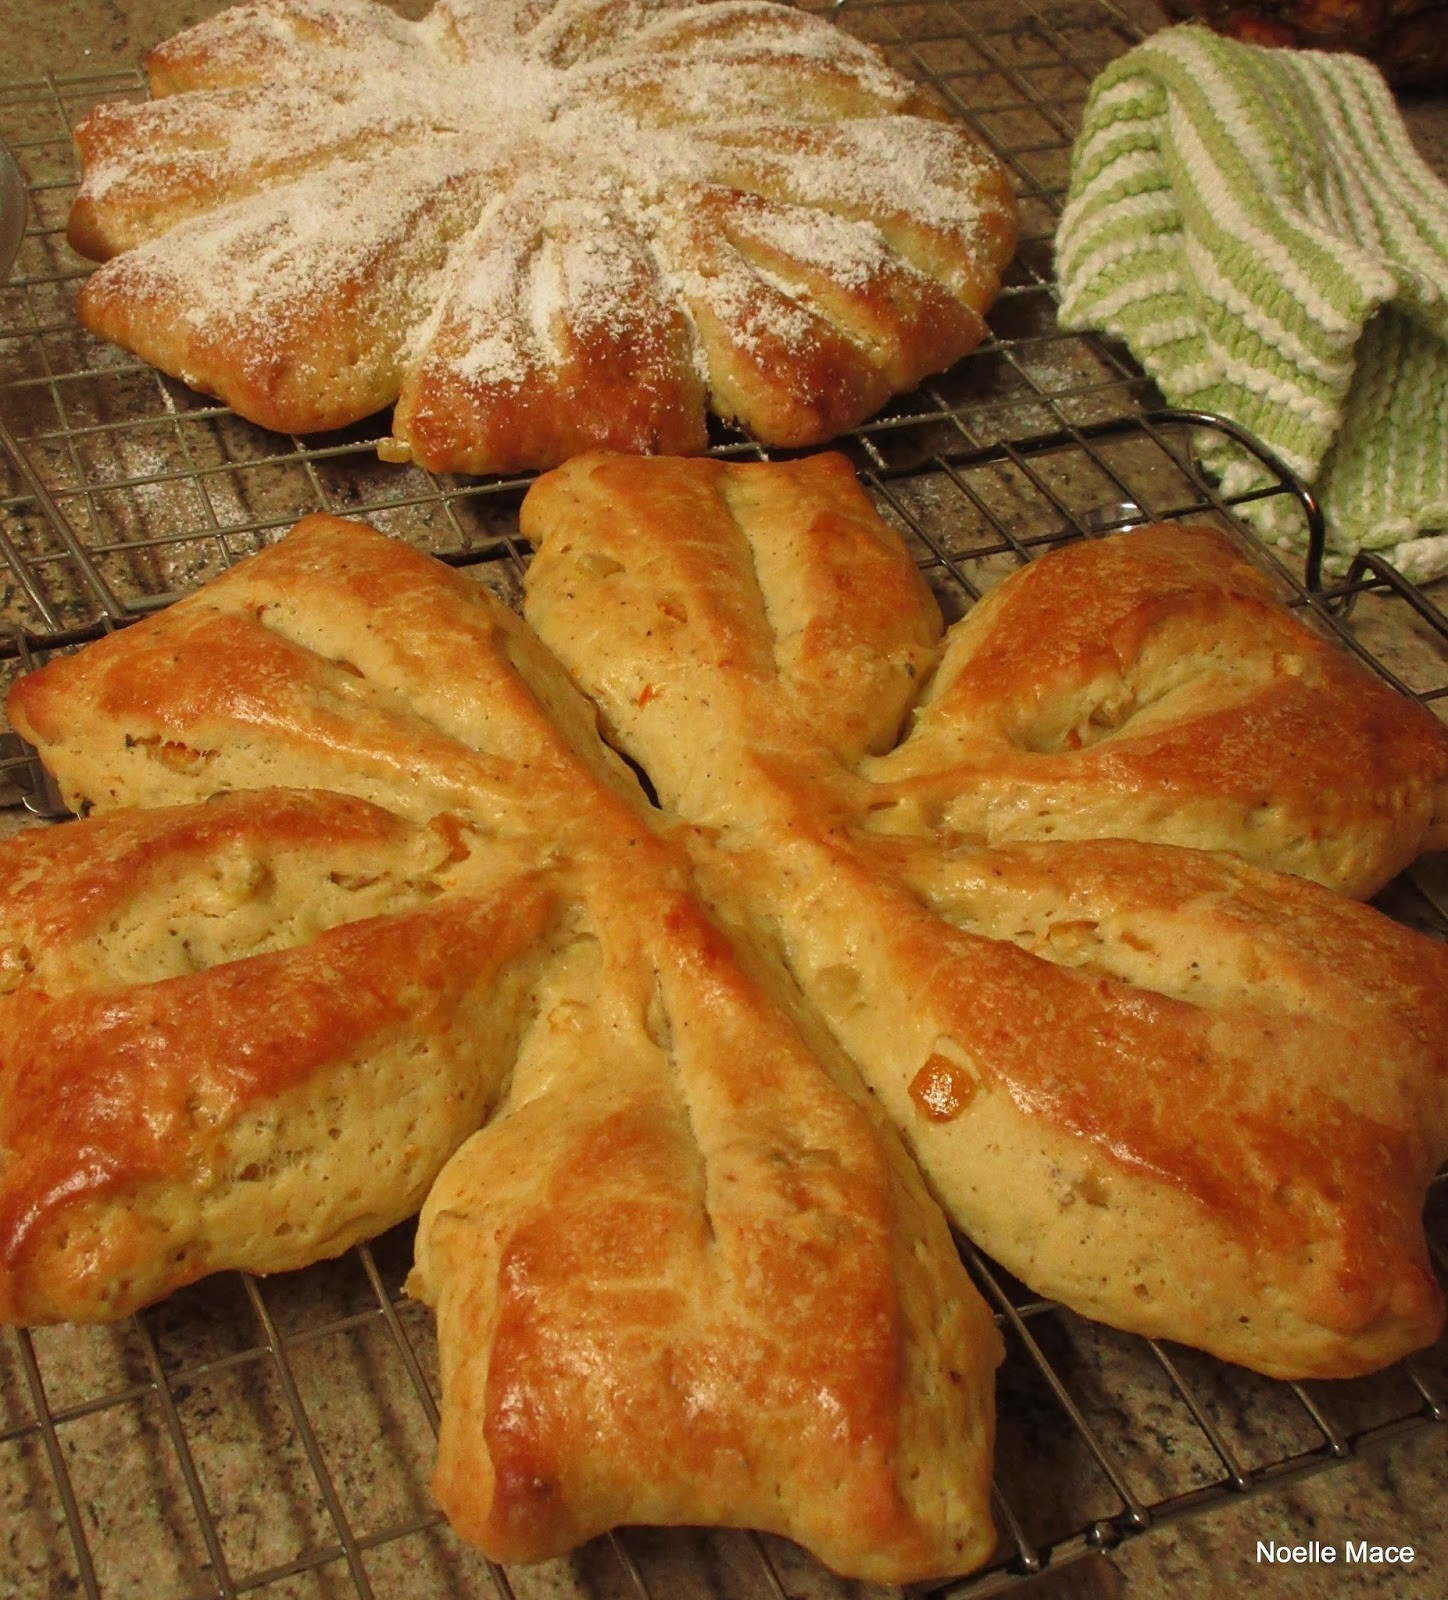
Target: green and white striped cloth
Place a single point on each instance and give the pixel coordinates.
(1257, 227)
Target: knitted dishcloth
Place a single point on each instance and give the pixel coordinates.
(1257, 227)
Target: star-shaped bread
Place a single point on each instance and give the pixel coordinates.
(536, 228)
(364, 909)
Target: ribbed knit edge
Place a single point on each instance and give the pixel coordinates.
(1257, 228)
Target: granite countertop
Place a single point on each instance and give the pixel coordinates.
(1394, 1494)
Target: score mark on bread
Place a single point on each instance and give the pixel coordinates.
(686, 1273)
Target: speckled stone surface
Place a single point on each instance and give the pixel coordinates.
(362, 1383)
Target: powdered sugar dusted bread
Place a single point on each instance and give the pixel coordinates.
(538, 227)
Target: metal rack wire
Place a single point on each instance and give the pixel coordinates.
(275, 1438)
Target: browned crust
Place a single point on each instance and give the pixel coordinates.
(1187, 1095)
(752, 1308)
(678, 1143)
(127, 1109)
(1152, 685)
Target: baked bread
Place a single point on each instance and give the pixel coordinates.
(1181, 1093)
(1185, 1093)
(538, 227)
(318, 665)
(1152, 686)
(242, 1034)
(1144, 686)
(683, 1278)
(687, 1273)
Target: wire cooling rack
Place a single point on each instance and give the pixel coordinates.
(275, 1438)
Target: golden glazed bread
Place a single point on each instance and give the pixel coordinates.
(682, 1278)
(538, 227)
(1146, 686)
(1184, 1094)
(242, 1034)
(1153, 687)
(686, 1273)
(1189, 1094)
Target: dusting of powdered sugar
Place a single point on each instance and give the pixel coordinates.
(544, 270)
(263, 262)
(929, 171)
(346, 134)
(852, 254)
(487, 300)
